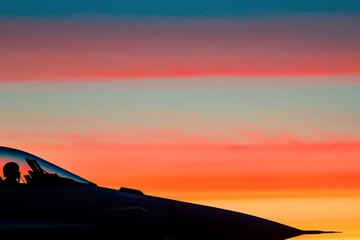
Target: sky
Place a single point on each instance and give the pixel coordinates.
(252, 106)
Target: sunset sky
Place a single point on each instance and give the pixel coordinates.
(248, 105)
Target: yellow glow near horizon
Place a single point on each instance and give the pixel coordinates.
(326, 214)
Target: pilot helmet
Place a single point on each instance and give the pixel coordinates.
(11, 169)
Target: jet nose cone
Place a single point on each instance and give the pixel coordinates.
(193, 221)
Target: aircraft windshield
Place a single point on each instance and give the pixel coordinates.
(37, 171)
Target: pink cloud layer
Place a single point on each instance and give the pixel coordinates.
(93, 50)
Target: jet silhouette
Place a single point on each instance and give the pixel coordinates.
(53, 203)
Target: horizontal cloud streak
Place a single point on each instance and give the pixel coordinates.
(97, 50)
(177, 139)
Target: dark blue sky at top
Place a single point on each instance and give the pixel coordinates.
(180, 8)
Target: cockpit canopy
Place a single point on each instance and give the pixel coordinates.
(37, 171)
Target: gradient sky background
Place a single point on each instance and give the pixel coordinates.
(249, 105)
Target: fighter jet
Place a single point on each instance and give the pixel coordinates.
(50, 202)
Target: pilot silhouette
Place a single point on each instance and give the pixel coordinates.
(11, 172)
